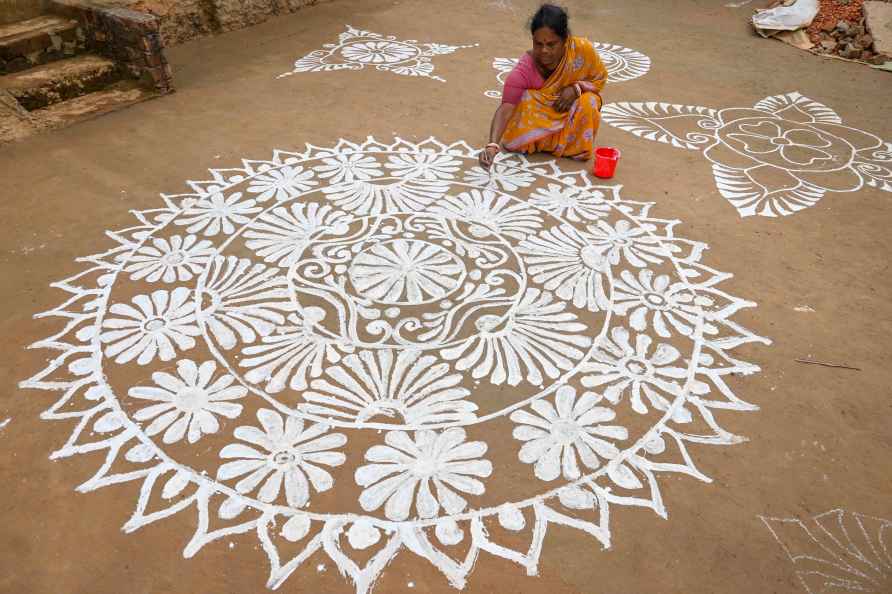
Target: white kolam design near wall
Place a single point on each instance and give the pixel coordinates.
(357, 49)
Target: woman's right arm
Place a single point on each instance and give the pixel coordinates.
(496, 129)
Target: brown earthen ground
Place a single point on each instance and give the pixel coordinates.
(820, 441)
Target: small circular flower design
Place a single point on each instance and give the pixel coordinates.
(406, 272)
(379, 52)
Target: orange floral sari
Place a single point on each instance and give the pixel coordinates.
(535, 126)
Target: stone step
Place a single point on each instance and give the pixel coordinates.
(17, 124)
(59, 81)
(37, 41)
(114, 97)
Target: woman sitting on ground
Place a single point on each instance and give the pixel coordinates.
(551, 101)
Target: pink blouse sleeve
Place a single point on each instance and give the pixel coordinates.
(515, 85)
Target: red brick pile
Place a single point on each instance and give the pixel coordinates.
(839, 29)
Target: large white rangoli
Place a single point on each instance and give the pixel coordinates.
(778, 157)
(371, 349)
(357, 49)
(622, 64)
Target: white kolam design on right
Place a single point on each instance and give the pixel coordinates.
(774, 159)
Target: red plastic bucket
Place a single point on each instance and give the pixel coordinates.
(606, 159)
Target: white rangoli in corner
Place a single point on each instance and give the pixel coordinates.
(773, 159)
(622, 64)
(354, 351)
(357, 49)
(837, 551)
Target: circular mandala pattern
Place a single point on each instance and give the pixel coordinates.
(391, 324)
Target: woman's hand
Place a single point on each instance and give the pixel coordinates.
(565, 100)
(487, 155)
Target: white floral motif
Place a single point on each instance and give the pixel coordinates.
(244, 300)
(539, 339)
(490, 213)
(799, 146)
(409, 386)
(499, 177)
(565, 261)
(357, 49)
(406, 465)
(776, 158)
(169, 260)
(289, 356)
(557, 439)
(186, 405)
(280, 236)
(406, 271)
(619, 366)
(573, 204)
(668, 305)
(347, 168)
(281, 184)
(217, 212)
(633, 244)
(155, 326)
(367, 198)
(378, 52)
(286, 454)
(423, 166)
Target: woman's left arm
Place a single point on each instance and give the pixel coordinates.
(593, 84)
(597, 82)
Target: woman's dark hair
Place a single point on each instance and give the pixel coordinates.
(551, 16)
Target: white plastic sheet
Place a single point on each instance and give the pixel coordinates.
(797, 15)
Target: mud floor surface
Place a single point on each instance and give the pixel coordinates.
(819, 440)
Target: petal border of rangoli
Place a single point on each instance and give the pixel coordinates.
(809, 109)
(828, 549)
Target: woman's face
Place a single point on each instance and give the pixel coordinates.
(548, 48)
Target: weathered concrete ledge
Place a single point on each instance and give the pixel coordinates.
(129, 37)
